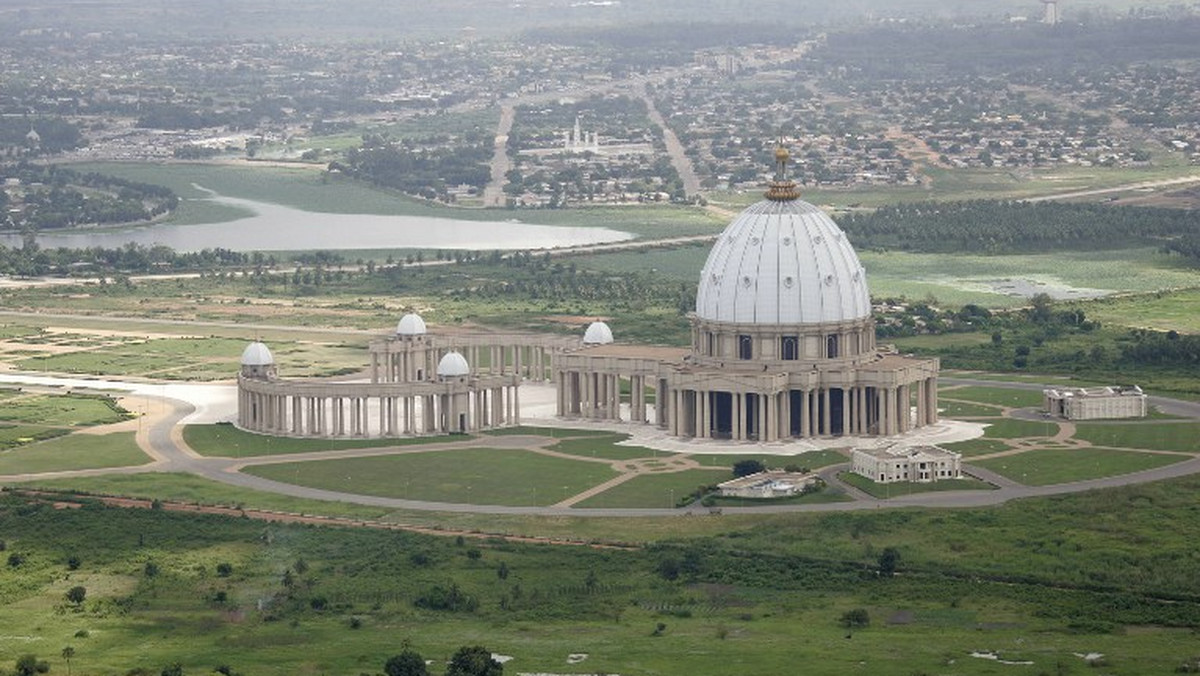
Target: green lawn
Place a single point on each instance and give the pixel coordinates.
(1045, 467)
(226, 441)
(895, 490)
(973, 447)
(1009, 428)
(998, 396)
(812, 459)
(960, 409)
(1177, 310)
(485, 476)
(78, 451)
(655, 490)
(12, 436)
(66, 409)
(605, 446)
(1154, 436)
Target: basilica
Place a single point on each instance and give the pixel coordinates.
(783, 346)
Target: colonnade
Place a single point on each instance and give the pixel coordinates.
(403, 360)
(348, 410)
(597, 395)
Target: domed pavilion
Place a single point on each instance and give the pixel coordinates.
(783, 343)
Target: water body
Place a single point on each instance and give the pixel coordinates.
(274, 227)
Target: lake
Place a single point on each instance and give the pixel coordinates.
(275, 227)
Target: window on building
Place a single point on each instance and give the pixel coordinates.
(712, 342)
(789, 348)
(745, 347)
(831, 347)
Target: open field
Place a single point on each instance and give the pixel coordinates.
(1009, 428)
(1183, 437)
(226, 441)
(1162, 311)
(958, 409)
(655, 490)
(116, 449)
(487, 476)
(721, 608)
(964, 278)
(1055, 466)
(999, 396)
(604, 447)
(62, 410)
(973, 447)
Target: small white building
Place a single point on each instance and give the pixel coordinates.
(921, 464)
(1095, 403)
(769, 484)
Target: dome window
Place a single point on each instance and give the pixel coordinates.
(747, 281)
(789, 282)
(787, 241)
(829, 280)
(818, 239)
(754, 241)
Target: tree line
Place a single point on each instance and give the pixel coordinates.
(50, 197)
(994, 226)
(423, 172)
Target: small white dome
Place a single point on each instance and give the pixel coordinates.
(597, 333)
(411, 324)
(783, 262)
(453, 365)
(257, 354)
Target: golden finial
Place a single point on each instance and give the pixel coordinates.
(782, 189)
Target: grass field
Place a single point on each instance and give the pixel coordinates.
(1162, 311)
(655, 490)
(1009, 428)
(64, 410)
(1154, 436)
(117, 449)
(959, 409)
(483, 476)
(12, 436)
(604, 446)
(811, 459)
(998, 396)
(225, 440)
(1056, 466)
(965, 278)
(895, 490)
(973, 447)
(209, 358)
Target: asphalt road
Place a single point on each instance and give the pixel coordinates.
(176, 459)
(171, 456)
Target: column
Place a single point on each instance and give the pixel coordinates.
(827, 414)
(805, 432)
(847, 402)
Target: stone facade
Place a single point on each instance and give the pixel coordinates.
(920, 464)
(1095, 403)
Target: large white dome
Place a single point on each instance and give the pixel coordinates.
(453, 365)
(783, 262)
(597, 333)
(257, 354)
(411, 324)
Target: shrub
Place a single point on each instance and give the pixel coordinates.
(855, 619)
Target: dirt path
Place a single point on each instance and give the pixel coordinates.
(493, 194)
(679, 159)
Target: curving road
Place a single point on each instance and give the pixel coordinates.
(163, 441)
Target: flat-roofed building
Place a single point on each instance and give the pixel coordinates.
(1095, 403)
(896, 463)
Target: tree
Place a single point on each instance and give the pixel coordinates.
(888, 560)
(407, 663)
(76, 595)
(855, 619)
(67, 653)
(28, 665)
(224, 569)
(173, 669)
(748, 467)
(474, 661)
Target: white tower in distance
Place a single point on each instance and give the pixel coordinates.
(1050, 17)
